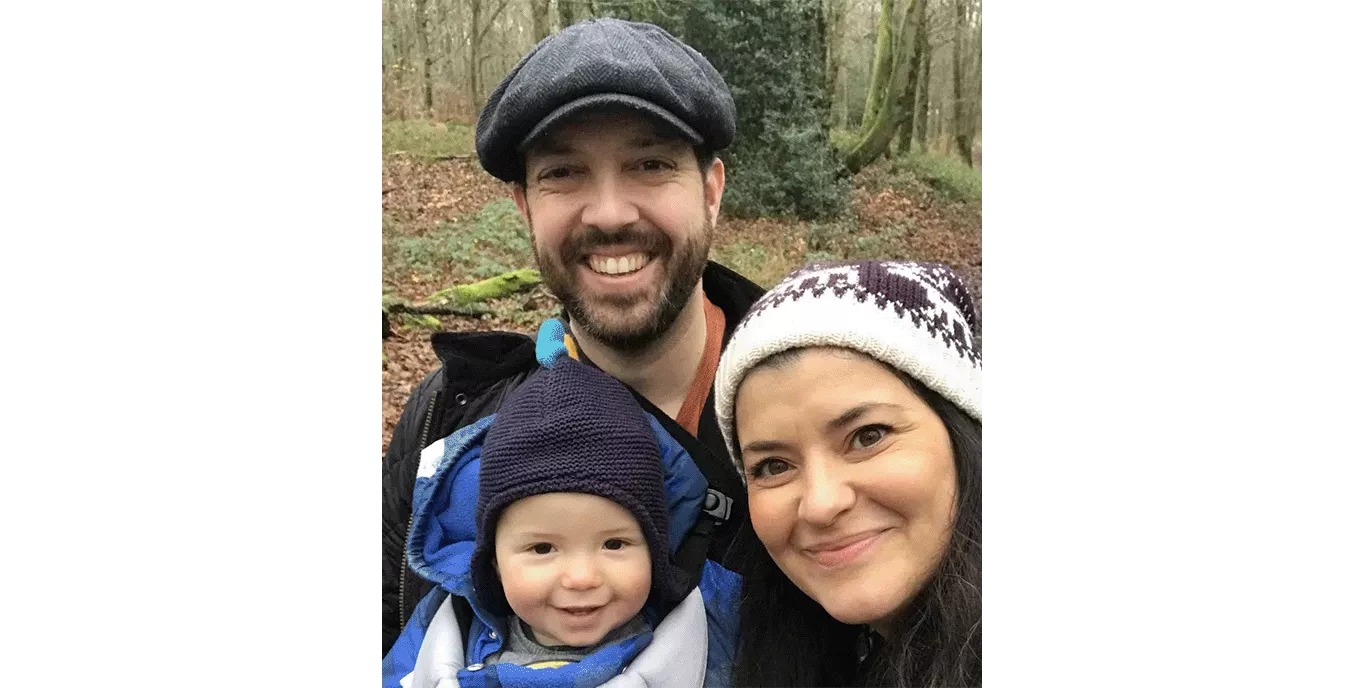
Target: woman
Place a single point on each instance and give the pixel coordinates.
(851, 397)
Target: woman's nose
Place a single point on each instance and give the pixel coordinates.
(827, 494)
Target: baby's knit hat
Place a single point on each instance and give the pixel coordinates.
(915, 317)
(572, 428)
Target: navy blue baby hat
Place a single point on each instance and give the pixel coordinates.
(572, 428)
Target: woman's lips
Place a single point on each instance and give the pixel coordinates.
(845, 550)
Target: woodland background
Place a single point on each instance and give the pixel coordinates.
(859, 136)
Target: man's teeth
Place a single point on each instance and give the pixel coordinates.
(618, 266)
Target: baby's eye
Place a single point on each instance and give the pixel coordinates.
(542, 548)
(614, 544)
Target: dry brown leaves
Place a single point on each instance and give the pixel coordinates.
(421, 194)
(940, 231)
(784, 235)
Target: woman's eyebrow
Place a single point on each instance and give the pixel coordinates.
(765, 446)
(855, 412)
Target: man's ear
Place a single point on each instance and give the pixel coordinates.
(519, 196)
(714, 189)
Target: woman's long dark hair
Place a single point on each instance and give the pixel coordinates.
(787, 639)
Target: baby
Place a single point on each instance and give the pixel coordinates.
(572, 524)
(549, 530)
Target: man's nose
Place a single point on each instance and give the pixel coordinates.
(609, 207)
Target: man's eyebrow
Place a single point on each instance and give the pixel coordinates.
(653, 141)
(552, 147)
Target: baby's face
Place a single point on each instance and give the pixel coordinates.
(574, 566)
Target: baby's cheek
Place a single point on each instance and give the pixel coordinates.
(635, 579)
(525, 583)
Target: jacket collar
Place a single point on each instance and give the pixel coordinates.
(732, 292)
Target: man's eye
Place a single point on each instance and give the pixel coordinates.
(556, 173)
(542, 548)
(614, 544)
(869, 436)
(654, 165)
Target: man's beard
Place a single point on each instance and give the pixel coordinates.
(682, 265)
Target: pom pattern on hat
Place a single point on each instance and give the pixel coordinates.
(915, 317)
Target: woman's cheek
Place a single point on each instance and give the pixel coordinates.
(772, 517)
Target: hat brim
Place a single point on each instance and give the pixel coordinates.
(605, 101)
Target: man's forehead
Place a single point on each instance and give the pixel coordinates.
(621, 130)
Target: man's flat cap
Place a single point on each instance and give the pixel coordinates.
(602, 63)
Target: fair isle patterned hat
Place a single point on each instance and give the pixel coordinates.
(916, 317)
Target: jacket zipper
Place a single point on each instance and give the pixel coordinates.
(409, 528)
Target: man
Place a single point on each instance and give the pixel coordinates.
(607, 132)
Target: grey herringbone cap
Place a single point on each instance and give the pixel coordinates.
(602, 63)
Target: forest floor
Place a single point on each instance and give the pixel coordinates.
(447, 222)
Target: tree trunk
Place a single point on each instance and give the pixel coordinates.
(843, 72)
(924, 92)
(963, 138)
(421, 26)
(479, 28)
(400, 46)
(829, 19)
(876, 138)
(832, 40)
(573, 11)
(475, 56)
(908, 104)
(540, 19)
(881, 73)
(976, 112)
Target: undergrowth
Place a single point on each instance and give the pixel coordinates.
(426, 139)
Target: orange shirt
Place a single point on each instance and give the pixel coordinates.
(690, 415)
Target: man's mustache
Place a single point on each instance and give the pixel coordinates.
(590, 239)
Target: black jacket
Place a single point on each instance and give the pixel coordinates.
(478, 370)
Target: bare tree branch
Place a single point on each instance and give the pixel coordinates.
(437, 310)
(490, 22)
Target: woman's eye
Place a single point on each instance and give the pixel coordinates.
(869, 436)
(613, 544)
(769, 468)
(541, 548)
